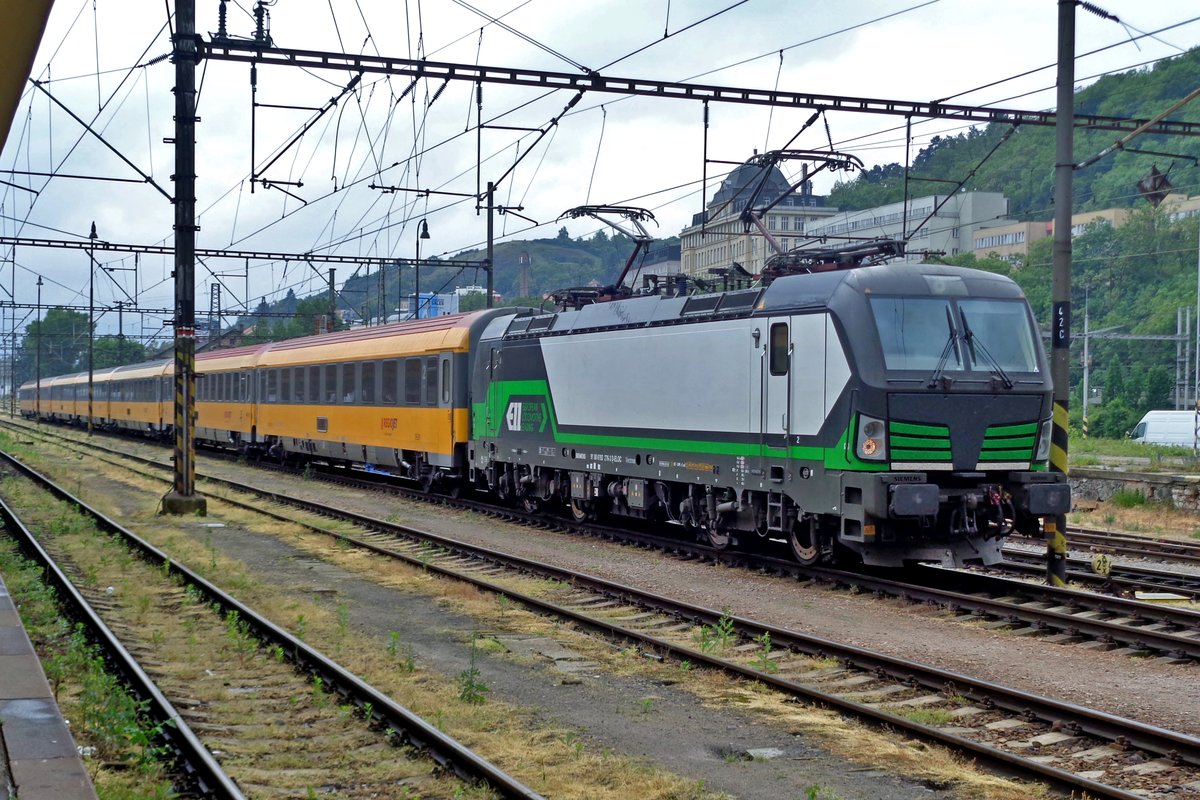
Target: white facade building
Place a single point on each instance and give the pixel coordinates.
(718, 237)
(951, 230)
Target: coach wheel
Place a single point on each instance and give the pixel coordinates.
(579, 510)
(805, 542)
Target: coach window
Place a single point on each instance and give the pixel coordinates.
(412, 381)
(301, 373)
(223, 387)
(272, 386)
(431, 375)
(329, 383)
(244, 387)
(314, 384)
(285, 385)
(389, 382)
(779, 349)
(368, 382)
(348, 390)
(445, 381)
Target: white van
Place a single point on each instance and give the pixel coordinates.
(1166, 427)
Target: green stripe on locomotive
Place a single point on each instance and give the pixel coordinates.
(502, 393)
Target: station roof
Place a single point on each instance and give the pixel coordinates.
(21, 25)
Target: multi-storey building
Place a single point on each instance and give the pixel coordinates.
(944, 224)
(1007, 238)
(719, 237)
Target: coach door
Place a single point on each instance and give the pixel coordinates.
(777, 359)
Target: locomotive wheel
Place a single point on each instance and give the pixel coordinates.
(579, 510)
(806, 545)
(530, 504)
(718, 538)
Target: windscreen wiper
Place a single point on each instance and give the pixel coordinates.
(937, 377)
(974, 344)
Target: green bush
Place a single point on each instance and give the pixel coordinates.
(1128, 498)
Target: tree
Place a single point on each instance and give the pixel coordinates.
(113, 351)
(63, 335)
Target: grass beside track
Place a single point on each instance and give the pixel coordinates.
(108, 724)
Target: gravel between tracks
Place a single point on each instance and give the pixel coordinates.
(1143, 689)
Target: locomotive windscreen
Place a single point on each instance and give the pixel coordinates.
(925, 333)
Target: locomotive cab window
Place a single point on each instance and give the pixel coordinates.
(779, 349)
(1000, 335)
(917, 333)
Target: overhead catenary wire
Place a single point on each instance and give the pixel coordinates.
(424, 150)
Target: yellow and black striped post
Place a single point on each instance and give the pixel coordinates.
(1060, 325)
(1055, 531)
(182, 499)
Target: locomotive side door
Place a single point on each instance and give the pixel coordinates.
(776, 420)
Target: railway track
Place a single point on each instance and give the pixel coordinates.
(1062, 616)
(1127, 578)
(1073, 748)
(272, 703)
(1157, 549)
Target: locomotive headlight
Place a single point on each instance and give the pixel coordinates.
(1043, 448)
(871, 444)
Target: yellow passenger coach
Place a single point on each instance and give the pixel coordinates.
(392, 397)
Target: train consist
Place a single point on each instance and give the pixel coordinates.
(900, 413)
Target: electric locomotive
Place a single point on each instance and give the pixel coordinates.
(897, 412)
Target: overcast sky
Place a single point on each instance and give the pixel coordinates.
(608, 149)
